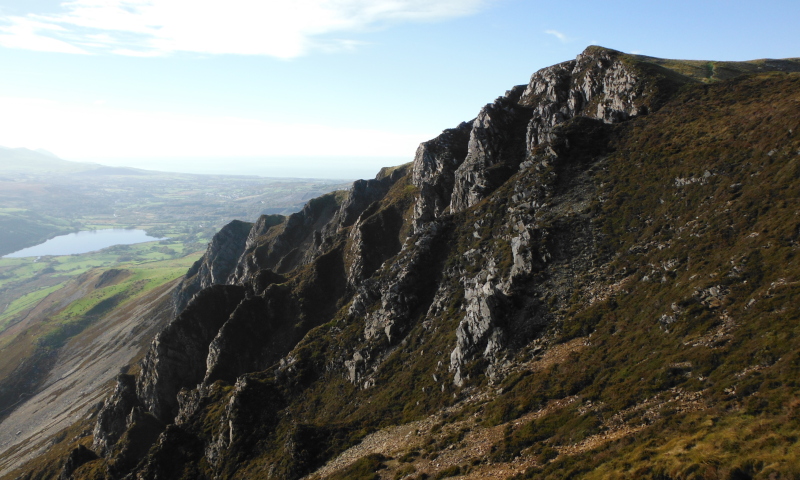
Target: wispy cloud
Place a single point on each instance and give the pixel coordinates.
(30, 34)
(560, 36)
(277, 28)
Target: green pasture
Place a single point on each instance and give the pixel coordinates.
(143, 278)
(25, 302)
(81, 313)
(26, 281)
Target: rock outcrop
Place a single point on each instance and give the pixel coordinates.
(77, 457)
(495, 151)
(217, 264)
(111, 420)
(599, 83)
(434, 169)
(177, 356)
(239, 314)
(436, 285)
(464, 165)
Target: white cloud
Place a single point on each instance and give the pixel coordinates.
(560, 36)
(95, 131)
(27, 34)
(277, 28)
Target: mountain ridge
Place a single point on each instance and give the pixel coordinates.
(583, 265)
(23, 160)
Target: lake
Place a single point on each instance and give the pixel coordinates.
(84, 242)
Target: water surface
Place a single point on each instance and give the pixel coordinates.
(84, 242)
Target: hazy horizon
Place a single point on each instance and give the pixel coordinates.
(334, 168)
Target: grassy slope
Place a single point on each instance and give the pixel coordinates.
(73, 308)
(22, 280)
(712, 71)
(51, 316)
(714, 394)
(21, 228)
(101, 301)
(736, 229)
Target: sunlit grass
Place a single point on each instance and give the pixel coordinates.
(151, 262)
(25, 302)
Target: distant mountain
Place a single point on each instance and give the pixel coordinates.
(46, 152)
(597, 277)
(15, 161)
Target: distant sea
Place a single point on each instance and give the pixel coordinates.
(346, 168)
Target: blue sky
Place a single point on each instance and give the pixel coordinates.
(331, 88)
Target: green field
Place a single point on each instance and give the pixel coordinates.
(24, 303)
(138, 280)
(24, 282)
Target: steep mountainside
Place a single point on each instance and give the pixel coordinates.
(596, 277)
(57, 364)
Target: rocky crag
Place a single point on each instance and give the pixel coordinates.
(597, 271)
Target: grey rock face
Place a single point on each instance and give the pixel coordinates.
(496, 303)
(258, 291)
(305, 235)
(256, 249)
(549, 94)
(402, 291)
(282, 247)
(496, 148)
(361, 195)
(245, 332)
(374, 238)
(222, 254)
(480, 323)
(112, 418)
(373, 234)
(434, 169)
(190, 402)
(177, 356)
(258, 332)
(597, 84)
(355, 368)
(251, 407)
(218, 263)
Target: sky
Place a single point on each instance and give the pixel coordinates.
(317, 88)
